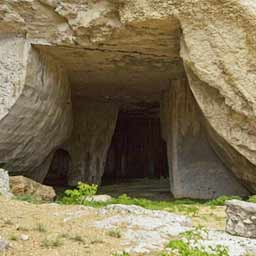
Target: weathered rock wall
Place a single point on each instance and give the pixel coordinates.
(221, 71)
(94, 125)
(218, 49)
(35, 107)
(195, 169)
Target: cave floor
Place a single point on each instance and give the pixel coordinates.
(153, 189)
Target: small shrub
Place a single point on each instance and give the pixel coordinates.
(195, 234)
(41, 228)
(8, 222)
(97, 241)
(114, 233)
(13, 237)
(65, 235)
(52, 242)
(77, 238)
(190, 210)
(120, 254)
(77, 196)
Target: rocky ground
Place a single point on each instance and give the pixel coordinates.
(53, 229)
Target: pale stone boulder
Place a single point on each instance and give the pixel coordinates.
(241, 218)
(24, 186)
(99, 198)
(4, 245)
(4, 183)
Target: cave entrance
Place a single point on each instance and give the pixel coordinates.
(137, 157)
(59, 168)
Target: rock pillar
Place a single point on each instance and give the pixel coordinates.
(195, 169)
(94, 125)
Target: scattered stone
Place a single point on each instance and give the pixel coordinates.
(24, 186)
(4, 183)
(143, 230)
(241, 218)
(4, 245)
(99, 198)
(24, 237)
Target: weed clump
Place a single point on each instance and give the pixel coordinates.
(52, 242)
(78, 195)
(121, 254)
(41, 228)
(185, 249)
(189, 245)
(114, 233)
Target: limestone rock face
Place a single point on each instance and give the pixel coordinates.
(24, 186)
(221, 71)
(35, 108)
(194, 168)
(241, 218)
(123, 52)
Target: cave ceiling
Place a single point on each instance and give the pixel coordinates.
(134, 65)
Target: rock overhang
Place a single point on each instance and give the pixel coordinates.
(135, 64)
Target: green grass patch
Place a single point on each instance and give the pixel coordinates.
(30, 199)
(188, 207)
(220, 201)
(121, 254)
(185, 249)
(184, 206)
(252, 199)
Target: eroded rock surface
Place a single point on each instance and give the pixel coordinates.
(241, 218)
(195, 169)
(35, 108)
(142, 230)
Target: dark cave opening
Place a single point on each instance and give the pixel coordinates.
(137, 150)
(57, 175)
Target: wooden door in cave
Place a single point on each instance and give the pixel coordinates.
(137, 149)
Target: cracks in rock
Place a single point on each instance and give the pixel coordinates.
(52, 8)
(108, 50)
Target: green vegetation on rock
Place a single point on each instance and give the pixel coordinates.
(252, 199)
